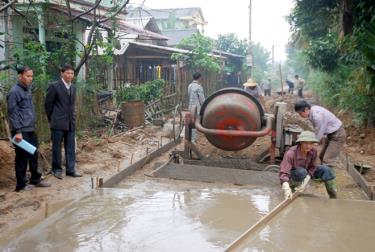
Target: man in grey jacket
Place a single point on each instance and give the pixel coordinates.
(22, 120)
(196, 99)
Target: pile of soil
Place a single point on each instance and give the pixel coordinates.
(361, 148)
(362, 139)
(7, 177)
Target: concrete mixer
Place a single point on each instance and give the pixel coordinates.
(231, 119)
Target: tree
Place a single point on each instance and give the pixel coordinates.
(97, 22)
(66, 26)
(336, 37)
(232, 44)
(296, 60)
(261, 59)
(66, 21)
(199, 58)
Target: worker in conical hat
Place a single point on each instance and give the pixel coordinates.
(253, 89)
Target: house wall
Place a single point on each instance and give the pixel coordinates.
(16, 35)
(190, 22)
(127, 69)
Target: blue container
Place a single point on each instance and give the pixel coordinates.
(23, 144)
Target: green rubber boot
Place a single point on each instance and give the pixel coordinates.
(331, 188)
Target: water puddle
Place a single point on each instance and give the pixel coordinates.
(152, 215)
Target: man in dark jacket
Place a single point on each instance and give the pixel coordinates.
(59, 106)
(21, 115)
(290, 86)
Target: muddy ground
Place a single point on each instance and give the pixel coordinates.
(102, 157)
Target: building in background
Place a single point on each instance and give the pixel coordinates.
(175, 24)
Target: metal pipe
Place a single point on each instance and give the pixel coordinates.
(244, 133)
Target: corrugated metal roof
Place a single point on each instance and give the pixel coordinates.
(218, 52)
(127, 27)
(161, 48)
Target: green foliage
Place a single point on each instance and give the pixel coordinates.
(297, 61)
(261, 58)
(344, 69)
(313, 19)
(363, 11)
(347, 89)
(130, 93)
(32, 54)
(62, 44)
(147, 92)
(359, 96)
(323, 53)
(232, 44)
(200, 57)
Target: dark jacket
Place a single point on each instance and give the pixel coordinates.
(290, 83)
(21, 110)
(59, 106)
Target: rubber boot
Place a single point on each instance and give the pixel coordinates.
(331, 188)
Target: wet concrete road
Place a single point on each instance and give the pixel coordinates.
(153, 215)
(316, 224)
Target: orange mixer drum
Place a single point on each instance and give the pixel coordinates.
(231, 109)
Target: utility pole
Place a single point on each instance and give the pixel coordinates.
(273, 59)
(249, 59)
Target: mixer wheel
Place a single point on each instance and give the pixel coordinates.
(272, 168)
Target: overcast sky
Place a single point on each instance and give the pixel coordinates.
(269, 26)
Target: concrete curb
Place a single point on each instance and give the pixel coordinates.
(115, 179)
(358, 178)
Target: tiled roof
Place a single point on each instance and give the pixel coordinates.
(175, 36)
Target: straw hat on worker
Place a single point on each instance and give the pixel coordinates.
(307, 136)
(250, 83)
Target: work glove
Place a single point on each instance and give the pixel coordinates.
(302, 186)
(287, 190)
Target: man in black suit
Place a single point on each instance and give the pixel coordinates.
(59, 106)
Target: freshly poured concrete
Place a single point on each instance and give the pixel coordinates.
(153, 215)
(316, 224)
(216, 174)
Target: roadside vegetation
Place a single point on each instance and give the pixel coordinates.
(333, 46)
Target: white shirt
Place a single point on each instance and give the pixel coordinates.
(67, 85)
(323, 121)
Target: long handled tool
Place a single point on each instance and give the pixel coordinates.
(261, 222)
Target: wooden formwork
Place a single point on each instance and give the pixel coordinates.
(368, 188)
